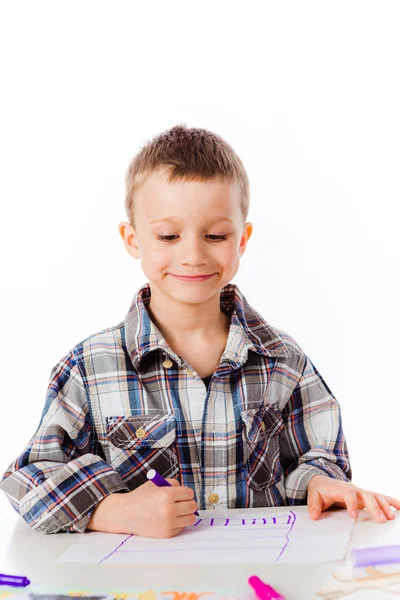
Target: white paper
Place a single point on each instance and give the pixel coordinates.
(231, 536)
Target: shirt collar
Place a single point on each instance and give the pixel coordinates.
(248, 330)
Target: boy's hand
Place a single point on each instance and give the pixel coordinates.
(149, 511)
(323, 492)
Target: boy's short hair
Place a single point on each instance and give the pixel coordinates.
(186, 153)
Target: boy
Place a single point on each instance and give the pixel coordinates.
(194, 383)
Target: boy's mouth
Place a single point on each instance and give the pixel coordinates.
(192, 277)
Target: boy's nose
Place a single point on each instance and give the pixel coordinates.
(193, 253)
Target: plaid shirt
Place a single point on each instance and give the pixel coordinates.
(122, 402)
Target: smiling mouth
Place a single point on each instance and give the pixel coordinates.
(192, 277)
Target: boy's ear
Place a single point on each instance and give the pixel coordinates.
(247, 231)
(129, 238)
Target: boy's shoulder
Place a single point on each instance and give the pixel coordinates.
(294, 357)
(276, 342)
(91, 354)
(292, 346)
(110, 339)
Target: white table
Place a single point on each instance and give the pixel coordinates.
(27, 552)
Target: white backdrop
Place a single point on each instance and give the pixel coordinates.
(308, 95)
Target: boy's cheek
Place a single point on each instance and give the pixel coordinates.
(155, 261)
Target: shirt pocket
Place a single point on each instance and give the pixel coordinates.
(260, 430)
(141, 442)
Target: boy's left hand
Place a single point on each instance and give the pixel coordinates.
(323, 492)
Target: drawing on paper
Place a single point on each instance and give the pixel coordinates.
(214, 534)
(226, 537)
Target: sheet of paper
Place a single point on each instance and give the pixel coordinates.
(231, 536)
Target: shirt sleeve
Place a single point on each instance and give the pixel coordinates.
(312, 441)
(56, 482)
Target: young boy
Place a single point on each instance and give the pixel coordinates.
(193, 383)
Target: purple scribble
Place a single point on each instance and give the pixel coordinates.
(198, 522)
(274, 521)
(211, 522)
(291, 514)
(226, 522)
(117, 548)
(256, 521)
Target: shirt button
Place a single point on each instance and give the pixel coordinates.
(167, 363)
(262, 426)
(213, 498)
(140, 433)
(190, 373)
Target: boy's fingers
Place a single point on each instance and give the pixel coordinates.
(182, 493)
(393, 502)
(174, 482)
(384, 506)
(372, 506)
(186, 520)
(186, 507)
(176, 531)
(315, 504)
(351, 502)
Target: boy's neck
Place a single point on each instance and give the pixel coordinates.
(177, 321)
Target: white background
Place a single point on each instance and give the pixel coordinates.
(308, 95)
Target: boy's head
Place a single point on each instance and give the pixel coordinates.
(187, 200)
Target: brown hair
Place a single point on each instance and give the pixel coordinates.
(186, 153)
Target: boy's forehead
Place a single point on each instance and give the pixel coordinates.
(158, 200)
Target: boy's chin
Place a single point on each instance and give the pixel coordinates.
(188, 292)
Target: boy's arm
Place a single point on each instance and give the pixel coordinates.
(312, 441)
(56, 482)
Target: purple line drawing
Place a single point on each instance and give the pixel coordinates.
(235, 533)
(116, 549)
(223, 521)
(291, 522)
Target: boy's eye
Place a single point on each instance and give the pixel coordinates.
(214, 238)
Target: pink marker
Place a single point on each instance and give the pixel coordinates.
(264, 591)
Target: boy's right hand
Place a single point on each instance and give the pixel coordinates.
(149, 511)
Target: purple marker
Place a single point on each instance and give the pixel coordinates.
(14, 580)
(159, 481)
(380, 555)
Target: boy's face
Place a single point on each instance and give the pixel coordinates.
(205, 233)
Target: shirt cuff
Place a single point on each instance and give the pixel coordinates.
(296, 483)
(65, 501)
